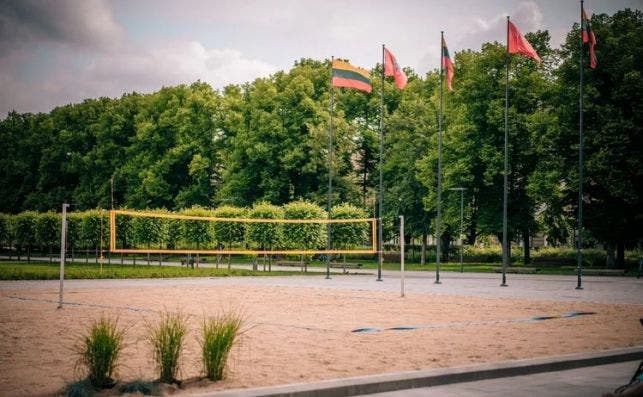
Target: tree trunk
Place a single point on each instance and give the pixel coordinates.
(526, 246)
(29, 253)
(423, 249)
(610, 250)
(620, 254)
(446, 244)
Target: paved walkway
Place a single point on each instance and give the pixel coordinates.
(580, 382)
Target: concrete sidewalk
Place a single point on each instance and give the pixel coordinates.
(570, 375)
(580, 382)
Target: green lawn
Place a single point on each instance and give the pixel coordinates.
(46, 271)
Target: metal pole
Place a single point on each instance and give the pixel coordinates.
(402, 254)
(461, 228)
(111, 192)
(505, 252)
(63, 240)
(380, 258)
(580, 162)
(438, 225)
(330, 171)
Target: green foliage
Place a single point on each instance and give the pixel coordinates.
(146, 230)
(74, 229)
(94, 229)
(48, 229)
(99, 350)
(266, 140)
(229, 233)
(196, 233)
(349, 235)
(613, 135)
(167, 339)
(265, 235)
(6, 229)
(219, 335)
(304, 235)
(25, 228)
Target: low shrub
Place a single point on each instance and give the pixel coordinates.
(166, 339)
(219, 335)
(99, 350)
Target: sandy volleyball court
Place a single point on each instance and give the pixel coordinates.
(295, 333)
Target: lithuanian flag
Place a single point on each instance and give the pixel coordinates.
(349, 76)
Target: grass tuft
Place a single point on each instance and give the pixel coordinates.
(219, 335)
(166, 339)
(99, 350)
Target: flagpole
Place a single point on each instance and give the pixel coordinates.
(580, 160)
(380, 244)
(330, 171)
(438, 224)
(505, 251)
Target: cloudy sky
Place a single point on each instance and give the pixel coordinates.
(55, 52)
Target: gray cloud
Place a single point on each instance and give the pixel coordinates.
(88, 24)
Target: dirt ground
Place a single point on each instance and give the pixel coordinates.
(297, 334)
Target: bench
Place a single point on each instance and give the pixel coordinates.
(303, 265)
(345, 266)
(517, 270)
(603, 272)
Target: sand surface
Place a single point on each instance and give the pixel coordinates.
(297, 334)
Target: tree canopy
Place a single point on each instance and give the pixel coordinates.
(265, 141)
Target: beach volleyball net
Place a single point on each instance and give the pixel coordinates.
(133, 232)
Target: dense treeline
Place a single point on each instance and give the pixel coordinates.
(267, 141)
(89, 230)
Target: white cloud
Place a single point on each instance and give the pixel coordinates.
(475, 30)
(114, 73)
(174, 63)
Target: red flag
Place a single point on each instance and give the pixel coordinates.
(391, 68)
(447, 64)
(519, 45)
(588, 37)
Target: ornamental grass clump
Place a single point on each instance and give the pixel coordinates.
(219, 335)
(99, 351)
(167, 339)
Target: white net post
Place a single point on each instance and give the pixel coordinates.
(63, 238)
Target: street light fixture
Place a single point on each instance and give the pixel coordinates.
(461, 189)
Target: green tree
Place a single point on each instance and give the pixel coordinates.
(48, 230)
(25, 231)
(613, 184)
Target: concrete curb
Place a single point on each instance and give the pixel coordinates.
(435, 377)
